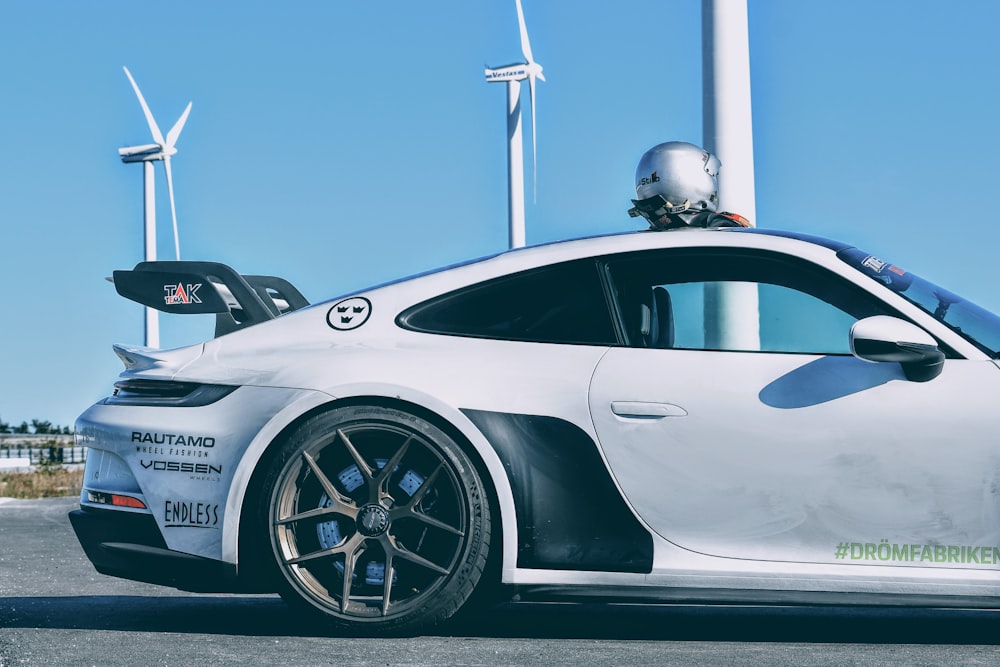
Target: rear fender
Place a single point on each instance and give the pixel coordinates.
(401, 397)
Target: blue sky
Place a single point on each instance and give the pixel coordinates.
(341, 144)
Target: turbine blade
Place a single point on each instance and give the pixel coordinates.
(534, 144)
(525, 44)
(153, 127)
(173, 209)
(175, 131)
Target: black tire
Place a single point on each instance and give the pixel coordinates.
(376, 548)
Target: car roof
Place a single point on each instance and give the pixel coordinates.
(836, 246)
(638, 240)
(544, 254)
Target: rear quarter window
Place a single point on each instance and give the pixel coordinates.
(564, 303)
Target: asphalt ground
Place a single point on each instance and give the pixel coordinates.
(56, 610)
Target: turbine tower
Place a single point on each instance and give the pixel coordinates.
(726, 108)
(162, 149)
(513, 75)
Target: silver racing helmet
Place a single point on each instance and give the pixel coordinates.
(675, 178)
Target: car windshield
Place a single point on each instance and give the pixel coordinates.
(974, 323)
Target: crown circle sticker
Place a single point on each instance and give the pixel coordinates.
(349, 314)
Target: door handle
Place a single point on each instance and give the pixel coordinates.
(645, 410)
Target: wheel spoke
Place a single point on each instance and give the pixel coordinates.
(393, 548)
(387, 583)
(366, 472)
(346, 547)
(322, 553)
(350, 512)
(408, 512)
(425, 487)
(331, 491)
(381, 482)
(350, 560)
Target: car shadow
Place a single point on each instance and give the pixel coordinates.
(726, 623)
(268, 616)
(827, 379)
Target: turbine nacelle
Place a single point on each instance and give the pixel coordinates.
(143, 153)
(515, 72)
(507, 73)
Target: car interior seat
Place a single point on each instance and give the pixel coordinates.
(656, 323)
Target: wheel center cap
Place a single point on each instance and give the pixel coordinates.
(372, 520)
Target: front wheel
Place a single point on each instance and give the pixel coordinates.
(377, 520)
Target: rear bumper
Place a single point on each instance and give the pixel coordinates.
(129, 545)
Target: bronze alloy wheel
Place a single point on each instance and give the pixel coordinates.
(377, 520)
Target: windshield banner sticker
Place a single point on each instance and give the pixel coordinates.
(884, 552)
(888, 274)
(873, 263)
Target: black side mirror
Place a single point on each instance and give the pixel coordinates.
(889, 339)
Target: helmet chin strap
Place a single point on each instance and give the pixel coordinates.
(655, 207)
(699, 219)
(672, 220)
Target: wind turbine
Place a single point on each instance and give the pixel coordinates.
(162, 149)
(513, 75)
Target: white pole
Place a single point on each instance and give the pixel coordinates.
(732, 320)
(728, 125)
(152, 331)
(515, 165)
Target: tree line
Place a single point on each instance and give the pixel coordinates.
(37, 427)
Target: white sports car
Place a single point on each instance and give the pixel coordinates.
(732, 415)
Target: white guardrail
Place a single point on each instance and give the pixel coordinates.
(20, 451)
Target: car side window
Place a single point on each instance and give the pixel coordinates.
(716, 299)
(563, 303)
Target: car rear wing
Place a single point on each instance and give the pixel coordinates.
(189, 288)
